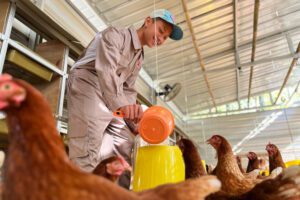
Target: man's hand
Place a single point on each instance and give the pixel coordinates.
(132, 112)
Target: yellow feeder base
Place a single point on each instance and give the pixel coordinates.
(204, 165)
(292, 163)
(266, 172)
(157, 165)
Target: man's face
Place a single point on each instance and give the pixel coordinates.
(156, 31)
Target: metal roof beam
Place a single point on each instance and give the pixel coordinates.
(236, 51)
(294, 61)
(255, 23)
(290, 43)
(189, 22)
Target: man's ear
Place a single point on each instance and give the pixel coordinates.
(148, 21)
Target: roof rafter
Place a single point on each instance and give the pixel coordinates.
(255, 23)
(189, 22)
(294, 61)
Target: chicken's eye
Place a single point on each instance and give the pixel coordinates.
(6, 87)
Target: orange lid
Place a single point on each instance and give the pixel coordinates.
(156, 125)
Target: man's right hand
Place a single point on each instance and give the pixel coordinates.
(132, 112)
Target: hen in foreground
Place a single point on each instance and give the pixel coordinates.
(37, 166)
(286, 186)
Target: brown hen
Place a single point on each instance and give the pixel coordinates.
(112, 168)
(253, 162)
(275, 158)
(192, 160)
(227, 170)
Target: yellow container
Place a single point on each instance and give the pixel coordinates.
(204, 165)
(292, 163)
(266, 172)
(156, 165)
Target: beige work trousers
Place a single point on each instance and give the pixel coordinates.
(94, 133)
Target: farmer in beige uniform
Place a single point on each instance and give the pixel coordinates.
(102, 81)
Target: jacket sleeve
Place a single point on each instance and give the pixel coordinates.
(108, 54)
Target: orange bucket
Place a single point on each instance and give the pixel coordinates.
(156, 125)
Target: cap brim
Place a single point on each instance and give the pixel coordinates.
(177, 33)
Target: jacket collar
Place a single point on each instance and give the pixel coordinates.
(135, 38)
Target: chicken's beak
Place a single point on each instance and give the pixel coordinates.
(19, 97)
(126, 166)
(208, 141)
(129, 168)
(267, 148)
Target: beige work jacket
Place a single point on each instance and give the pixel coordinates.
(118, 55)
(100, 82)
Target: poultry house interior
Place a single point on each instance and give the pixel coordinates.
(230, 82)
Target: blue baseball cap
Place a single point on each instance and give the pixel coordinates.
(168, 17)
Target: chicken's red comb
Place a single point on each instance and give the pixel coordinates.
(5, 77)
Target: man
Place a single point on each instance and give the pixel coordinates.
(102, 81)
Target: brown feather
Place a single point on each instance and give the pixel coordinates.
(192, 160)
(238, 159)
